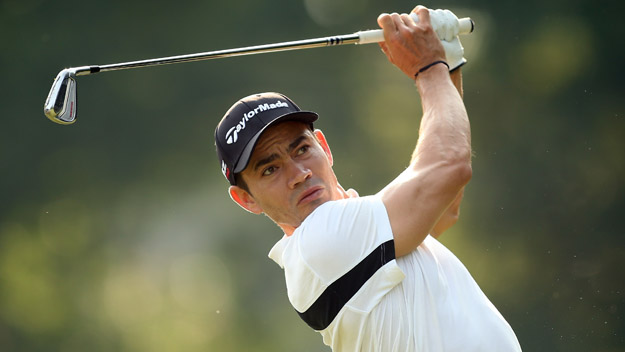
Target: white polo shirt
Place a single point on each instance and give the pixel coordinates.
(344, 281)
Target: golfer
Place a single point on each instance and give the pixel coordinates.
(367, 272)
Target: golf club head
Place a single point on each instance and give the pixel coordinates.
(60, 105)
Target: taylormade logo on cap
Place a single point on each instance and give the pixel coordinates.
(232, 135)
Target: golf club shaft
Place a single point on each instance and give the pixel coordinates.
(362, 37)
(250, 50)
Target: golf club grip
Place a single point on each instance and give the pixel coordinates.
(465, 26)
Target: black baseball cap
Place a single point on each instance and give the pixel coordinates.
(238, 131)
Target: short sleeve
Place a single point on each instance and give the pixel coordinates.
(340, 234)
(331, 246)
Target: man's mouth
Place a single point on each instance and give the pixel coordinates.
(310, 195)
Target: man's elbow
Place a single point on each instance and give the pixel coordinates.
(461, 172)
(455, 164)
(465, 173)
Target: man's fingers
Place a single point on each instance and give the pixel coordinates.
(409, 45)
(423, 13)
(451, 25)
(408, 21)
(397, 21)
(393, 22)
(386, 22)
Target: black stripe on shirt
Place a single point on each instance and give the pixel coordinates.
(331, 301)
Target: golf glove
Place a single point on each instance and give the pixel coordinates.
(446, 26)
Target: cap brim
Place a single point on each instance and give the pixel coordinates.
(244, 159)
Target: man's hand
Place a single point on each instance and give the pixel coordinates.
(408, 45)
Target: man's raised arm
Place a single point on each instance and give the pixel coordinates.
(451, 215)
(441, 164)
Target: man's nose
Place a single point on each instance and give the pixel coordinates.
(298, 173)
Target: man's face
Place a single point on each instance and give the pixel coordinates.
(289, 174)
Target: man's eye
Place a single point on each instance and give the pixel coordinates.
(302, 150)
(268, 171)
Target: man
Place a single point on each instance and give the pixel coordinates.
(364, 271)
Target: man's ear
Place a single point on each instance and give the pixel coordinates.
(324, 144)
(244, 199)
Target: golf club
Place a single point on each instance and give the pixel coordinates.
(60, 106)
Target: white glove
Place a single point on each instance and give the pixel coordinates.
(446, 26)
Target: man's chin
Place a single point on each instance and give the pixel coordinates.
(310, 207)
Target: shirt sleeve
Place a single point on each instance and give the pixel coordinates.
(337, 237)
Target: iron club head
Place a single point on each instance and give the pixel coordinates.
(60, 105)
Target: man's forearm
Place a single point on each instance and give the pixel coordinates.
(450, 216)
(456, 79)
(444, 134)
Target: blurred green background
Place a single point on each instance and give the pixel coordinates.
(117, 234)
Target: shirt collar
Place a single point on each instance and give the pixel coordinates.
(278, 249)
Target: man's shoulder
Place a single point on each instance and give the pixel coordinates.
(343, 209)
(344, 218)
(342, 232)
(331, 242)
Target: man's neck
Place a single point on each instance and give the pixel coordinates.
(288, 230)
